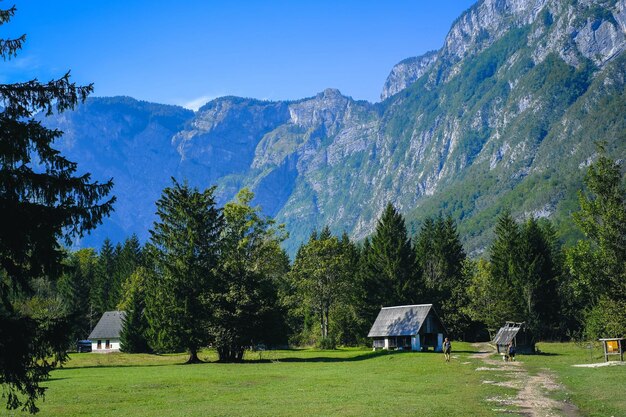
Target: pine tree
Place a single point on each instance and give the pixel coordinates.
(185, 251)
(74, 287)
(389, 267)
(133, 338)
(42, 201)
(101, 292)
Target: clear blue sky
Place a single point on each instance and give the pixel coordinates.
(191, 51)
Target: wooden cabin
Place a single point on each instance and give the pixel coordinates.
(515, 333)
(412, 327)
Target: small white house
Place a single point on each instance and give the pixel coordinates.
(105, 337)
(413, 327)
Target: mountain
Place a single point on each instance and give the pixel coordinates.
(504, 115)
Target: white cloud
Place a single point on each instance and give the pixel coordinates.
(198, 102)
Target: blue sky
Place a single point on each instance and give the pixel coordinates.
(188, 52)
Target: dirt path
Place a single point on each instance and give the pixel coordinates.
(533, 391)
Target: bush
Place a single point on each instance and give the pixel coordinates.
(606, 319)
(327, 343)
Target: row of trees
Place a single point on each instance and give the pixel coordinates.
(218, 276)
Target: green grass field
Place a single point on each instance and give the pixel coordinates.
(349, 382)
(596, 391)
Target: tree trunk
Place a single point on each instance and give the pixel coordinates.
(193, 356)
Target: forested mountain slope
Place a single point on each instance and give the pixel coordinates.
(504, 115)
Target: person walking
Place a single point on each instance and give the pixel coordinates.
(447, 349)
(511, 352)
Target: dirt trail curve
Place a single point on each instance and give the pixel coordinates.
(532, 398)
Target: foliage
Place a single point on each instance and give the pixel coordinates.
(320, 276)
(74, 288)
(42, 200)
(185, 251)
(522, 279)
(134, 336)
(598, 264)
(389, 275)
(245, 305)
(441, 260)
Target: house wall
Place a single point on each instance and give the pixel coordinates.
(114, 345)
(415, 343)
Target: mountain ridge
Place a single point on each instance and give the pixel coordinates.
(477, 128)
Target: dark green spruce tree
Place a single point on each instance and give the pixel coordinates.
(388, 266)
(185, 249)
(102, 295)
(42, 201)
(441, 260)
(74, 288)
(134, 336)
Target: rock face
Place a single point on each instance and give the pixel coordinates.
(503, 116)
(406, 72)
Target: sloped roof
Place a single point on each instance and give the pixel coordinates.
(109, 326)
(507, 333)
(400, 320)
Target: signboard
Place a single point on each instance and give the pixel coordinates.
(612, 346)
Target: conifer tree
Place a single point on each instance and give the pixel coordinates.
(133, 338)
(185, 247)
(102, 289)
(389, 268)
(42, 200)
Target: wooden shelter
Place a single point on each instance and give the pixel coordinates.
(614, 346)
(412, 327)
(515, 333)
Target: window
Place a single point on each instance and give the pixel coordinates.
(108, 345)
(99, 344)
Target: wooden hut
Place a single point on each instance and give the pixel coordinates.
(412, 327)
(515, 333)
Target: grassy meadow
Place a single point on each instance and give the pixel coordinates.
(346, 382)
(596, 391)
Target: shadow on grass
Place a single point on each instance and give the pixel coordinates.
(268, 357)
(330, 359)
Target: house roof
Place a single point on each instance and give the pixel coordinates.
(507, 333)
(109, 326)
(400, 320)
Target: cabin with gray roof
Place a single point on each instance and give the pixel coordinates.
(105, 337)
(413, 327)
(515, 334)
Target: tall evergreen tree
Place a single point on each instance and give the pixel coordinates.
(441, 259)
(102, 297)
(185, 248)
(74, 287)
(389, 267)
(506, 268)
(42, 200)
(134, 336)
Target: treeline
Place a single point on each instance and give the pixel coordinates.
(218, 276)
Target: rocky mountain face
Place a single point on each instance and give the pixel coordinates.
(406, 72)
(504, 115)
